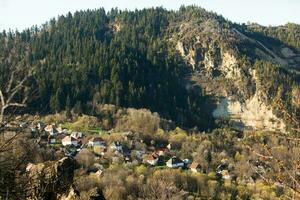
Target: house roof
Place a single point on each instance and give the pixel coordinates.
(50, 126)
(69, 139)
(163, 149)
(152, 157)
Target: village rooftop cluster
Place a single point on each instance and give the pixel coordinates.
(130, 151)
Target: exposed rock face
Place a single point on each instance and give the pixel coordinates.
(51, 180)
(253, 114)
(214, 63)
(230, 66)
(116, 27)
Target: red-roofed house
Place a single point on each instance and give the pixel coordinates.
(152, 159)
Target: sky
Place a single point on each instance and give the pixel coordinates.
(21, 14)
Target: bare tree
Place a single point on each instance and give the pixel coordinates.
(283, 160)
(14, 92)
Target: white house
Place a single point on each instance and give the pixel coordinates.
(97, 141)
(33, 129)
(29, 166)
(162, 151)
(60, 130)
(116, 146)
(99, 173)
(225, 174)
(68, 140)
(51, 129)
(77, 135)
(23, 125)
(40, 126)
(175, 162)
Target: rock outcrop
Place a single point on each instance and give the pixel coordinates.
(51, 180)
(217, 68)
(253, 114)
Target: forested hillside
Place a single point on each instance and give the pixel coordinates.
(92, 57)
(150, 104)
(130, 59)
(289, 33)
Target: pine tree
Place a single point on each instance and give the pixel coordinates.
(68, 107)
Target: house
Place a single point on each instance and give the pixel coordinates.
(40, 126)
(68, 141)
(51, 129)
(221, 167)
(225, 174)
(162, 151)
(127, 159)
(187, 162)
(23, 125)
(97, 141)
(33, 129)
(116, 146)
(99, 173)
(170, 146)
(195, 167)
(29, 167)
(60, 130)
(152, 159)
(51, 139)
(77, 135)
(175, 162)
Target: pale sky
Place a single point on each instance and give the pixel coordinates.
(21, 14)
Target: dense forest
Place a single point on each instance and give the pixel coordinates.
(84, 59)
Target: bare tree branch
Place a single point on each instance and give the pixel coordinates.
(10, 82)
(15, 87)
(2, 98)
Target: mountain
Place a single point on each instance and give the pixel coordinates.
(190, 65)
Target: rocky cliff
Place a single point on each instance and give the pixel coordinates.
(214, 54)
(51, 180)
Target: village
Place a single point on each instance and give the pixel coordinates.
(128, 151)
(101, 156)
